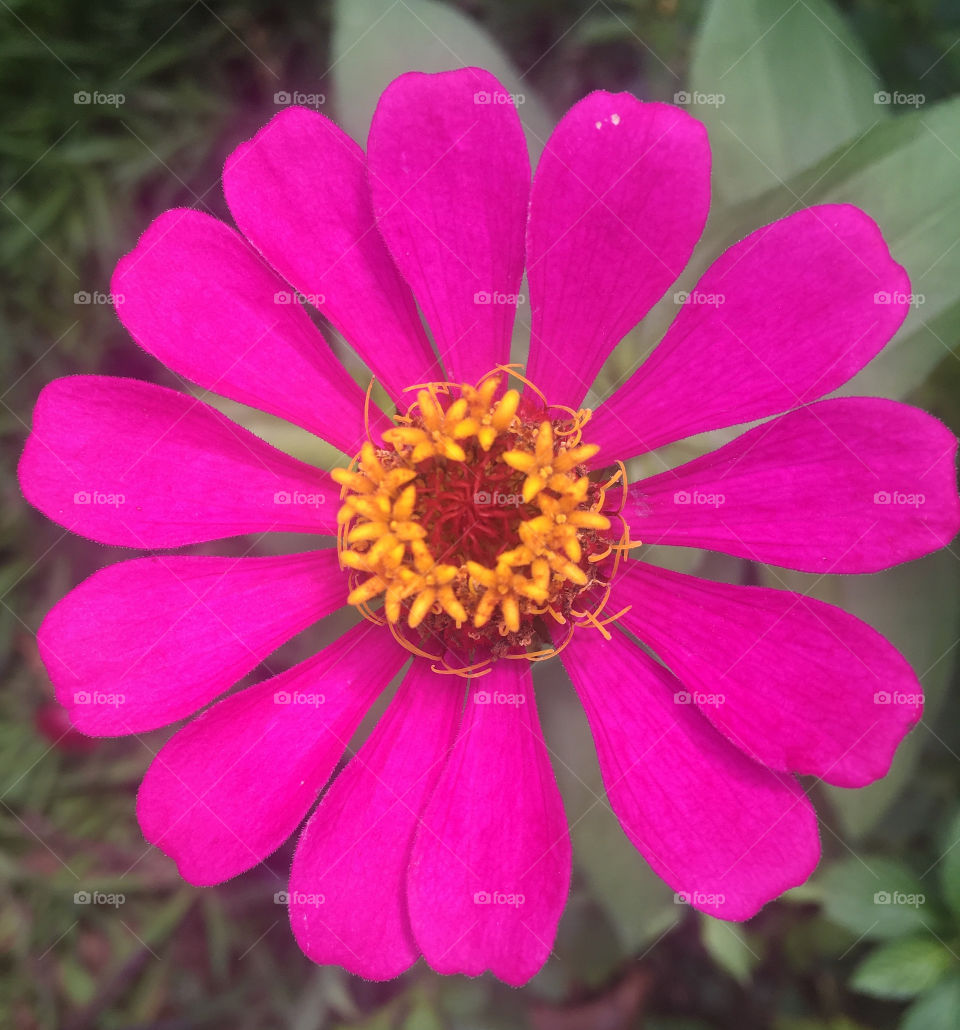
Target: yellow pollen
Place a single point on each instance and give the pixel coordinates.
(475, 518)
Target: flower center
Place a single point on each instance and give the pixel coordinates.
(477, 518)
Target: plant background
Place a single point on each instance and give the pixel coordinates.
(803, 120)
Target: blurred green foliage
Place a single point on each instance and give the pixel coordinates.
(874, 939)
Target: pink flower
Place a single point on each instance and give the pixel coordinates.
(477, 523)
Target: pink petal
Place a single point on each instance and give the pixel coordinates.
(198, 298)
(348, 903)
(851, 485)
(619, 200)
(143, 643)
(450, 179)
(491, 863)
(780, 319)
(298, 190)
(797, 684)
(230, 787)
(725, 833)
(130, 463)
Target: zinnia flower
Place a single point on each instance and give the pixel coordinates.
(488, 525)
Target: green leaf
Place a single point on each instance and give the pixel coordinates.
(949, 871)
(902, 969)
(728, 946)
(779, 85)
(916, 607)
(903, 173)
(374, 41)
(325, 994)
(150, 992)
(165, 922)
(786, 1022)
(938, 1009)
(635, 900)
(587, 951)
(874, 898)
(77, 983)
(217, 927)
(423, 1015)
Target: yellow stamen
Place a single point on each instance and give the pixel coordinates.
(396, 501)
